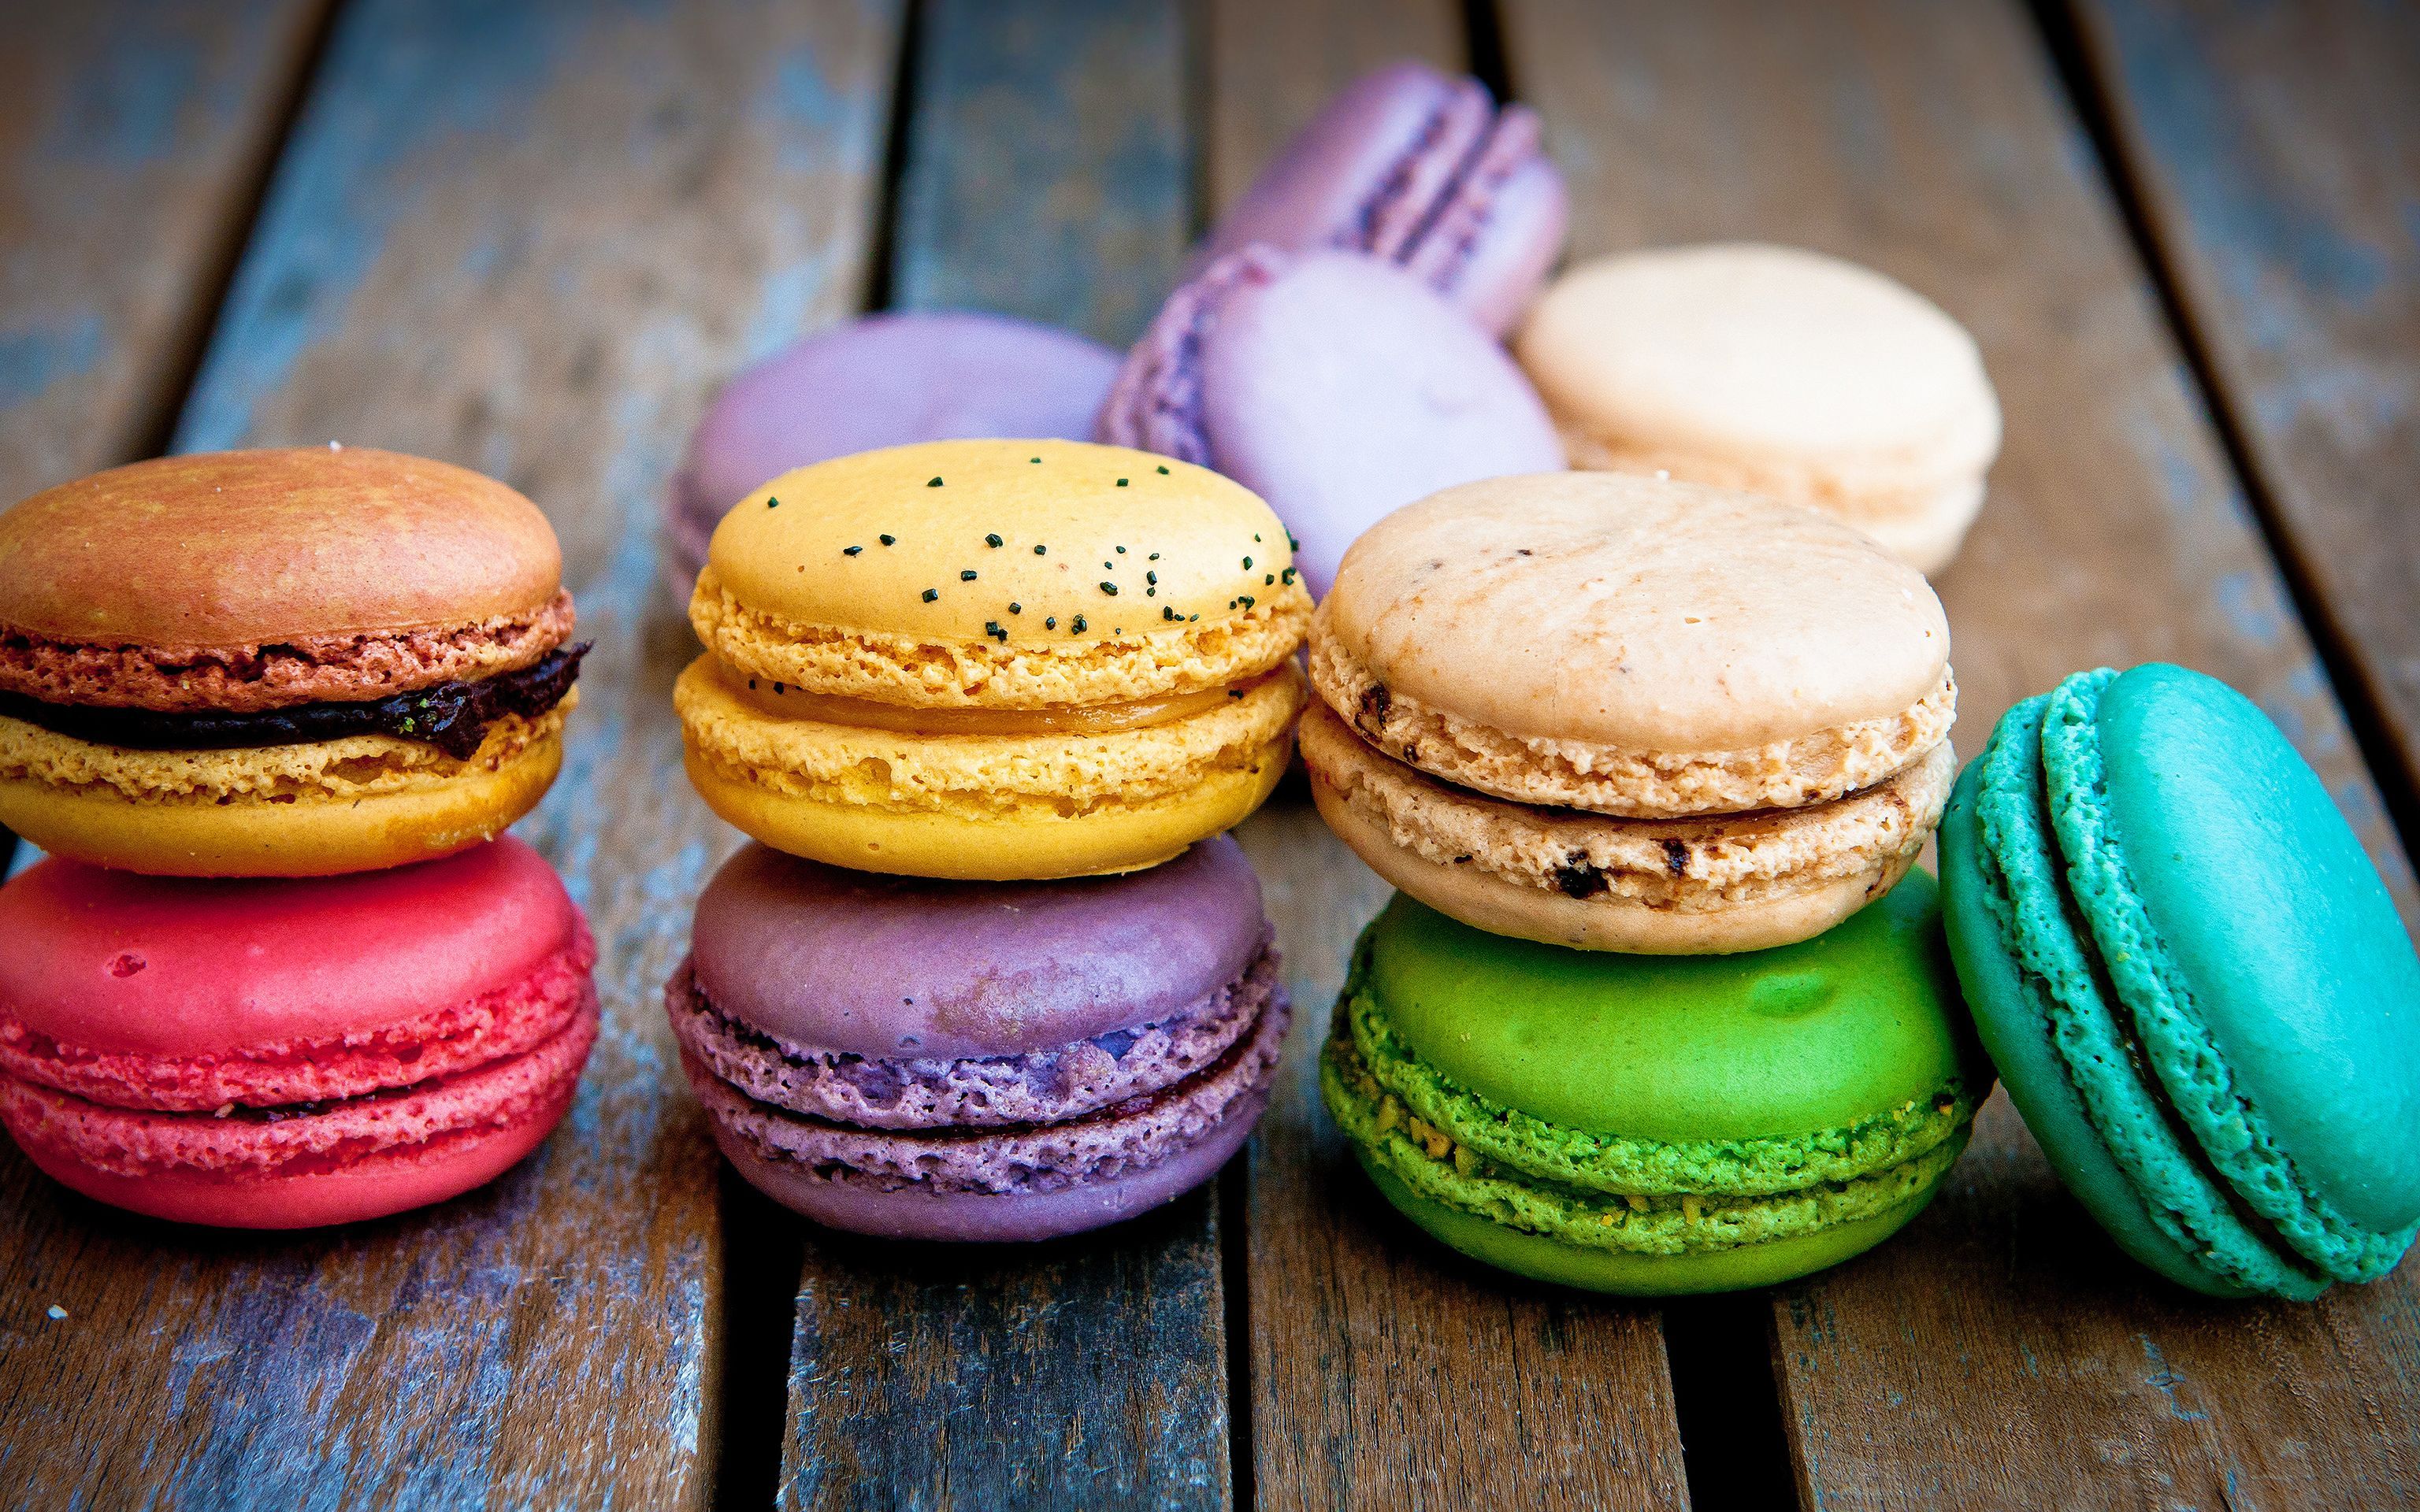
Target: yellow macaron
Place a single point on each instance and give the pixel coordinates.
(993, 659)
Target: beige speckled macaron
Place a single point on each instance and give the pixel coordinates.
(1626, 713)
(1778, 371)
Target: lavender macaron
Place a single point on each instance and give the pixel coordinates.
(1338, 387)
(884, 380)
(937, 1060)
(1421, 170)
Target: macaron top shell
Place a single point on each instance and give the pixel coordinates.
(937, 541)
(886, 966)
(237, 548)
(1860, 1021)
(114, 962)
(1806, 375)
(1636, 612)
(2252, 916)
(1336, 386)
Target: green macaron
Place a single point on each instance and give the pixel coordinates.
(2193, 981)
(1656, 1124)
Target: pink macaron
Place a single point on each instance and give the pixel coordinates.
(283, 1054)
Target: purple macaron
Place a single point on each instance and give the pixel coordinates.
(1335, 386)
(922, 1059)
(1423, 171)
(884, 380)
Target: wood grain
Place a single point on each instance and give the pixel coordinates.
(2276, 150)
(1384, 1370)
(2000, 1352)
(528, 240)
(1272, 64)
(1046, 176)
(133, 134)
(1048, 172)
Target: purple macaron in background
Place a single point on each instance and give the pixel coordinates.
(884, 381)
(922, 1059)
(1338, 387)
(1421, 170)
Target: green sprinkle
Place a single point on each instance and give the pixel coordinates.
(931, 593)
(888, 540)
(1051, 622)
(1151, 593)
(967, 575)
(1248, 564)
(1153, 557)
(751, 685)
(931, 483)
(1288, 576)
(1079, 625)
(1167, 613)
(993, 541)
(1033, 459)
(1292, 544)
(772, 503)
(1110, 589)
(1016, 609)
(1121, 550)
(1040, 549)
(1151, 577)
(992, 627)
(1122, 483)
(1256, 536)
(1163, 472)
(1268, 577)
(850, 550)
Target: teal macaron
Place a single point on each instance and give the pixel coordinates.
(2193, 985)
(1656, 1124)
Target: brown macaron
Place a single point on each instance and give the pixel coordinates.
(1625, 713)
(278, 663)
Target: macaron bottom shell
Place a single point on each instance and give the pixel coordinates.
(1622, 1273)
(982, 1217)
(197, 835)
(377, 1186)
(1597, 923)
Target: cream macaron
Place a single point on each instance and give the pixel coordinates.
(1775, 370)
(994, 660)
(1626, 713)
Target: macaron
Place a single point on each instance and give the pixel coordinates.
(1775, 370)
(1421, 170)
(278, 663)
(282, 1054)
(1335, 386)
(1651, 1125)
(884, 381)
(1622, 714)
(2195, 987)
(993, 659)
(945, 1060)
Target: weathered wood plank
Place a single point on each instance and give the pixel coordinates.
(2276, 149)
(133, 136)
(2002, 1352)
(528, 240)
(1046, 176)
(1384, 1372)
(1048, 167)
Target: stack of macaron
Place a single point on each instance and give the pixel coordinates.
(1642, 756)
(268, 711)
(992, 971)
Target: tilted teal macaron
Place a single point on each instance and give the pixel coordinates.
(1655, 1124)
(2193, 981)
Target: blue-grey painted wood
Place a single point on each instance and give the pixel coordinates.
(2000, 1351)
(133, 136)
(529, 239)
(2277, 152)
(1045, 177)
(1048, 169)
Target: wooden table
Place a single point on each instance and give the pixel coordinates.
(533, 238)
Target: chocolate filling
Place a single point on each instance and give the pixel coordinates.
(453, 716)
